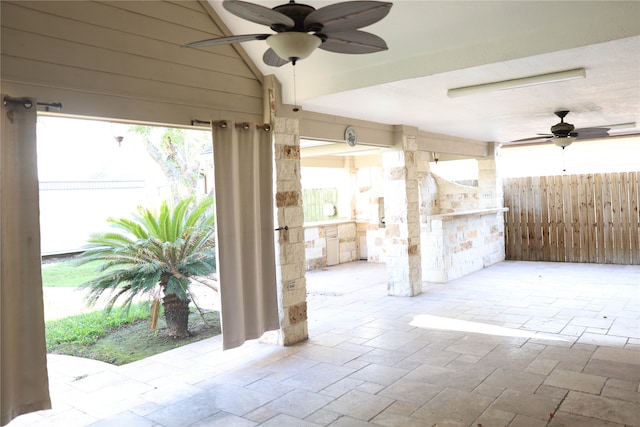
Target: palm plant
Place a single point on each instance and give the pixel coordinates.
(155, 252)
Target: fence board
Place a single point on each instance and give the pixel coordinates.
(616, 218)
(590, 241)
(508, 219)
(544, 219)
(558, 215)
(576, 197)
(608, 219)
(515, 230)
(599, 218)
(567, 214)
(535, 229)
(634, 217)
(529, 230)
(574, 218)
(624, 219)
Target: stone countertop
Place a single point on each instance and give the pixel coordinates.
(475, 212)
(328, 223)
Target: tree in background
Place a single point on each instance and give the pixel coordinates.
(179, 155)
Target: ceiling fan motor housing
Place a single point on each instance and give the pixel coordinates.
(296, 11)
(562, 129)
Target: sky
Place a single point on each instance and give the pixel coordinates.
(77, 150)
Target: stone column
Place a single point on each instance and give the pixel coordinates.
(350, 168)
(489, 183)
(290, 258)
(402, 218)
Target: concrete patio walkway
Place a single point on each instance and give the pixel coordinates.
(516, 344)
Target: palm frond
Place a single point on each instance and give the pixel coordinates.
(147, 220)
(198, 214)
(109, 239)
(175, 222)
(131, 226)
(151, 249)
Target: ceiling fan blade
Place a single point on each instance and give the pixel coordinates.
(355, 41)
(527, 143)
(258, 14)
(346, 16)
(541, 137)
(270, 58)
(591, 133)
(228, 40)
(624, 135)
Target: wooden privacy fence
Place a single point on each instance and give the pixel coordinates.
(573, 218)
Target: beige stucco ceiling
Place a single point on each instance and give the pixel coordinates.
(438, 45)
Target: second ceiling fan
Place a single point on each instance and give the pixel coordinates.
(300, 29)
(563, 133)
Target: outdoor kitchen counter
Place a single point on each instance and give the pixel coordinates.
(476, 212)
(326, 223)
(329, 243)
(458, 243)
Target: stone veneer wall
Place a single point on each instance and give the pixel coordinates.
(459, 244)
(489, 182)
(438, 195)
(376, 251)
(402, 219)
(290, 253)
(462, 228)
(452, 197)
(315, 243)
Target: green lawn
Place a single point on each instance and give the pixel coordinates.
(120, 337)
(85, 329)
(117, 337)
(67, 274)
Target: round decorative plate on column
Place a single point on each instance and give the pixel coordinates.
(351, 136)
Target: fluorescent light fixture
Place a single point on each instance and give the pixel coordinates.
(540, 79)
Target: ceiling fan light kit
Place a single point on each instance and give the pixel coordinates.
(292, 46)
(563, 141)
(560, 76)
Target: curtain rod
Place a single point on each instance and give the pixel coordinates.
(196, 122)
(27, 103)
(223, 124)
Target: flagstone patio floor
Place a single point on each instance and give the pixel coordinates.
(516, 344)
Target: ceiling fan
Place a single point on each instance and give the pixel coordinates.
(563, 133)
(300, 28)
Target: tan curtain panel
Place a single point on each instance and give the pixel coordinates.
(23, 356)
(243, 164)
